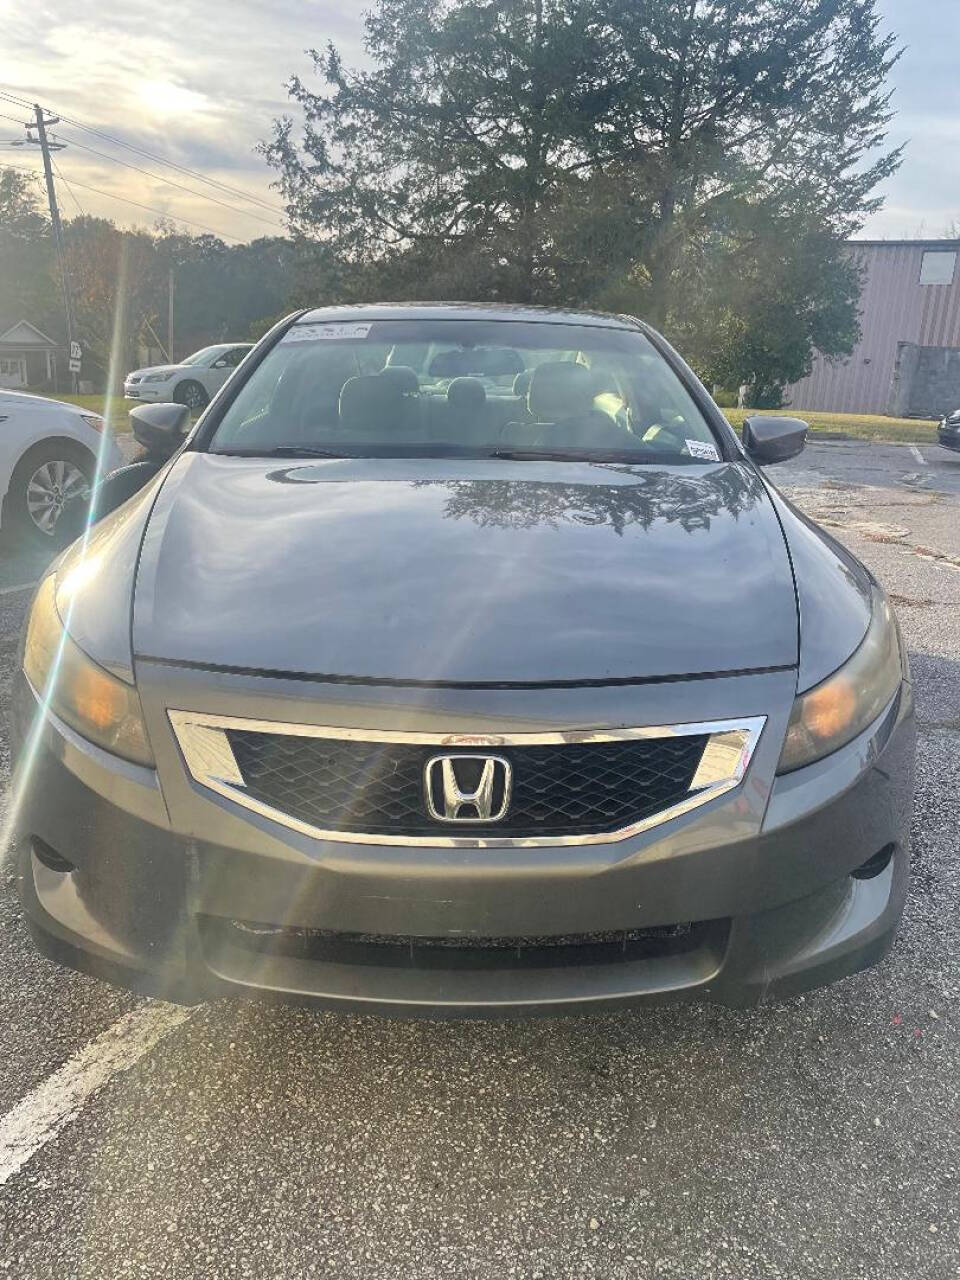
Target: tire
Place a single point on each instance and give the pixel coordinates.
(192, 394)
(47, 476)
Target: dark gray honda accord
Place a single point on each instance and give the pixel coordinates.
(462, 660)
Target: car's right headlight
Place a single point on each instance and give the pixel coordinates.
(89, 699)
(832, 713)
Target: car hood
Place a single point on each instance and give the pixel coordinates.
(155, 368)
(475, 572)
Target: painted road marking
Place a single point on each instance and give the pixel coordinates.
(918, 455)
(12, 591)
(39, 1117)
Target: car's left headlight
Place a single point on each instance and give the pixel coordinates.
(832, 713)
(155, 377)
(89, 699)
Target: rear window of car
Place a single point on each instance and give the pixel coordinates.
(465, 387)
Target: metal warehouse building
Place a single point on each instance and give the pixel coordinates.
(907, 362)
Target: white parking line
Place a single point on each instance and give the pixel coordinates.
(40, 1116)
(12, 591)
(918, 455)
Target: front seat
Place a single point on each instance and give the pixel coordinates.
(383, 407)
(560, 400)
(467, 412)
(305, 401)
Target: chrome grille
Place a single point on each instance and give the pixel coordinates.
(368, 786)
(378, 787)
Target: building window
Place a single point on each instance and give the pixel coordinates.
(937, 267)
(13, 373)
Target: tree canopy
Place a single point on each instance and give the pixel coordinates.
(119, 281)
(639, 154)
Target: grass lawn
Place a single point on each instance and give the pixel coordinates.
(863, 426)
(113, 408)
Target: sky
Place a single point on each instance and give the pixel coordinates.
(199, 84)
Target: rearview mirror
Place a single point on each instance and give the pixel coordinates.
(160, 428)
(773, 439)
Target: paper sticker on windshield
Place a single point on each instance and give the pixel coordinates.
(698, 449)
(325, 332)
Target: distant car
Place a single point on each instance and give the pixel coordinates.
(192, 382)
(50, 453)
(948, 432)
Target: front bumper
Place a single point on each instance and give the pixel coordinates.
(949, 437)
(759, 879)
(148, 392)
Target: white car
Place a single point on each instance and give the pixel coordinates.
(50, 453)
(192, 382)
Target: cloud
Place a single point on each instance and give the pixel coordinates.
(197, 84)
(201, 84)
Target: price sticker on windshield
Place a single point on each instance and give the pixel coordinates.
(699, 449)
(325, 332)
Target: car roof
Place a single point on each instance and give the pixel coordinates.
(466, 311)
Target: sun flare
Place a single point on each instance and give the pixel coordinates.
(165, 99)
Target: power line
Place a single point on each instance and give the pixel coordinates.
(12, 97)
(171, 164)
(149, 155)
(15, 119)
(173, 217)
(168, 182)
(62, 179)
(157, 177)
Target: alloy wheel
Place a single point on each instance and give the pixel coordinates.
(51, 486)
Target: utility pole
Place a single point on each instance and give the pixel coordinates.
(46, 147)
(170, 317)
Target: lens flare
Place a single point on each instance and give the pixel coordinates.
(26, 763)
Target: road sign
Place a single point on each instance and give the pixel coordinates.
(74, 366)
(75, 352)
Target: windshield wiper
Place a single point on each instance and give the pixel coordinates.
(539, 455)
(619, 456)
(282, 451)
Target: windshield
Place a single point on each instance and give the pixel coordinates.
(203, 356)
(475, 387)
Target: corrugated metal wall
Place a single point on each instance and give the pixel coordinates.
(894, 308)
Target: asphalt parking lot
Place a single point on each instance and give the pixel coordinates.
(819, 1137)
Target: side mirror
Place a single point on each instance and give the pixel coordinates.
(773, 439)
(160, 428)
(111, 492)
(221, 363)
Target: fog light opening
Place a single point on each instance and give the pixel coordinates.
(873, 866)
(49, 857)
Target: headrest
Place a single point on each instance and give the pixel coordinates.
(466, 393)
(368, 402)
(521, 383)
(311, 383)
(490, 362)
(402, 377)
(560, 389)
